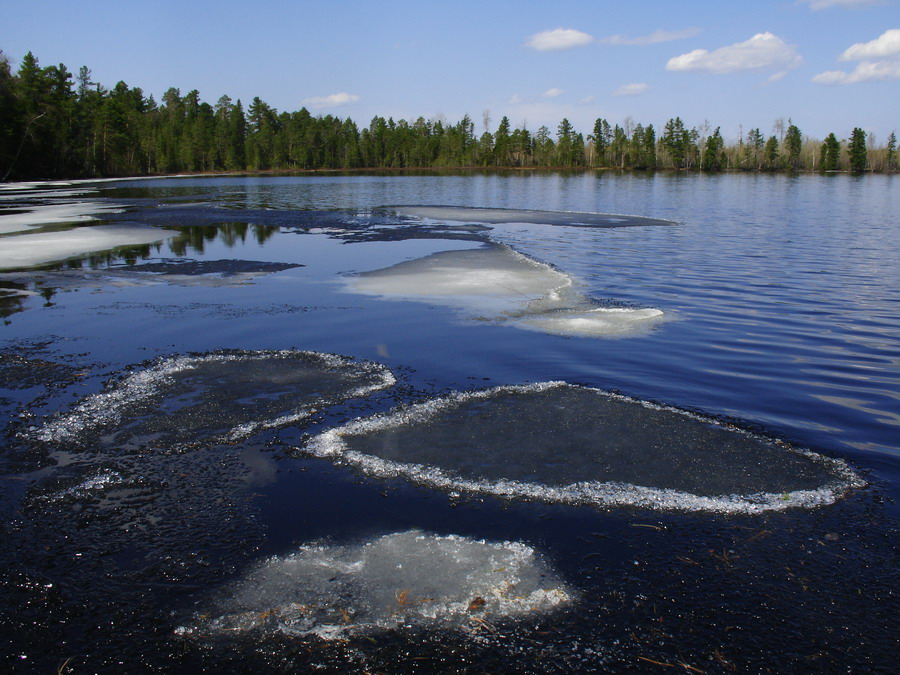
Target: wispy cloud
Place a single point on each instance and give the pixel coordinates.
(553, 92)
(825, 4)
(879, 60)
(653, 38)
(559, 39)
(635, 89)
(764, 51)
(332, 100)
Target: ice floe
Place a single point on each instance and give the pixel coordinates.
(217, 397)
(27, 250)
(495, 282)
(397, 581)
(556, 442)
(51, 214)
(496, 216)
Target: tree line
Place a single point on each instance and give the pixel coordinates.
(56, 125)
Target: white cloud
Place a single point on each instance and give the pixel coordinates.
(653, 38)
(887, 44)
(586, 100)
(558, 39)
(552, 92)
(867, 71)
(879, 60)
(635, 89)
(332, 100)
(763, 51)
(825, 4)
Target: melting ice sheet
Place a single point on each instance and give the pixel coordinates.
(500, 284)
(26, 250)
(49, 214)
(556, 442)
(401, 580)
(492, 216)
(218, 397)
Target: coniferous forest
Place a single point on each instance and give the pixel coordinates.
(56, 125)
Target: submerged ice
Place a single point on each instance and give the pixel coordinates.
(399, 580)
(497, 283)
(217, 397)
(557, 442)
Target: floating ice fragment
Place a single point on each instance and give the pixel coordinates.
(400, 580)
(26, 250)
(498, 283)
(49, 214)
(218, 397)
(487, 215)
(599, 321)
(585, 446)
(85, 489)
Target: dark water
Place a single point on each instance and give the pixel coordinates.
(782, 298)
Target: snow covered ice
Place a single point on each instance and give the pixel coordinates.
(496, 283)
(27, 250)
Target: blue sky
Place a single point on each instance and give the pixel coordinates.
(830, 65)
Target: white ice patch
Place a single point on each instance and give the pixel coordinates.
(397, 581)
(26, 250)
(50, 214)
(497, 283)
(86, 488)
(597, 322)
(554, 442)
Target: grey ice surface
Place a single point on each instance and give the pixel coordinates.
(556, 442)
(490, 216)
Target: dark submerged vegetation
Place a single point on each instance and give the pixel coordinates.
(56, 125)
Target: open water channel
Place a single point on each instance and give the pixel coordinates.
(533, 422)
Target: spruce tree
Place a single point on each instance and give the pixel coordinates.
(859, 156)
(830, 153)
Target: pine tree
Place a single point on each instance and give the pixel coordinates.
(770, 153)
(890, 161)
(829, 158)
(859, 156)
(793, 144)
(713, 152)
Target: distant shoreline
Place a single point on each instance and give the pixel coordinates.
(439, 170)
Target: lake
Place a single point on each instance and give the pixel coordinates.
(542, 422)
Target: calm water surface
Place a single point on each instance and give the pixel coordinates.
(784, 290)
(782, 296)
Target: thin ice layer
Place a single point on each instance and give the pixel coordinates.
(562, 443)
(49, 214)
(401, 580)
(26, 250)
(222, 396)
(495, 216)
(498, 283)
